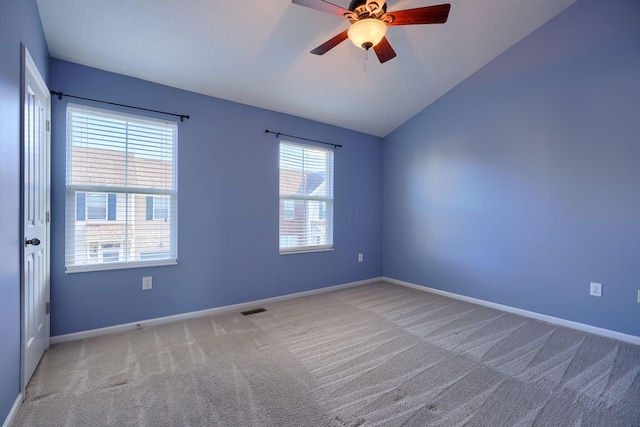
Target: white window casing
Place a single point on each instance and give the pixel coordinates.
(115, 163)
(306, 198)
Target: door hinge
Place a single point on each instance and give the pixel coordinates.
(48, 216)
(46, 308)
(48, 126)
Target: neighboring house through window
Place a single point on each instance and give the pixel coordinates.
(121, 190)
(306, 198)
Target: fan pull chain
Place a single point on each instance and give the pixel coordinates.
(366, 58)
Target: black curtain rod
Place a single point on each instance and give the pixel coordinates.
(60, 95)
(277, 134)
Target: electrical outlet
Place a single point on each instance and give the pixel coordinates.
(147, 283)
(638, 296)
(596, 289)
(360, 257)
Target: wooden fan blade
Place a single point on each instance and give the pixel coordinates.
(323, 6)
(328, 45)
(422, 15)
(384, 51)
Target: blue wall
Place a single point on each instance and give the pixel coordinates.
(522, 184)
(19, 23)
(519, 187)
(228, 210)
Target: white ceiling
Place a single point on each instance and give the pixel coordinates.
(256, 52)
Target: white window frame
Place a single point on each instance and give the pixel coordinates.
(310, 205)
(127, 246)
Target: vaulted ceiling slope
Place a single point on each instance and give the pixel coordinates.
(256, 52)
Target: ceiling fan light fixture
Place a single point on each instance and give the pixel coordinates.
(367, 32)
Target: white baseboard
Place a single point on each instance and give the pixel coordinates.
(532, 314)
(160, 320)
(13, 413)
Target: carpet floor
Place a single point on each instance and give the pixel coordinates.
(372, 355)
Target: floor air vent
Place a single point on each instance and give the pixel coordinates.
(254, 311)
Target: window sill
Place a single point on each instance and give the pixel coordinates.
(117, 266)
(306, 250)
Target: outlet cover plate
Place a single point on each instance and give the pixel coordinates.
(596, 289)
(147, 283)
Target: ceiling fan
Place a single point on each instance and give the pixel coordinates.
(369, 21)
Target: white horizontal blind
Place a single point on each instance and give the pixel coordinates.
(122, 194)
(306, 198)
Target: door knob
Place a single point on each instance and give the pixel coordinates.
(34, 242)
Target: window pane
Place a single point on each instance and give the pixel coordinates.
(110, 252)
(96, 206)
(161, 207)
(288, 209)
(121, 177)
(306, 197)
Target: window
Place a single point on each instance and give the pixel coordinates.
(121, 172)
(98, 206)
(289, 209)
(110, 252)
(157, 207)
(306, 198)
(105, 252)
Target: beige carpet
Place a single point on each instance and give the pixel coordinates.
(373, 355)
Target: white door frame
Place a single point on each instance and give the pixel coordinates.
(29, 68)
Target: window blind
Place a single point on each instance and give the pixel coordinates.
(306, 198)
(117, 164)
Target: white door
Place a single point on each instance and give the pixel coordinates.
(35, 215)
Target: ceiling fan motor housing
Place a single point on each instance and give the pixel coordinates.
(366, 8)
